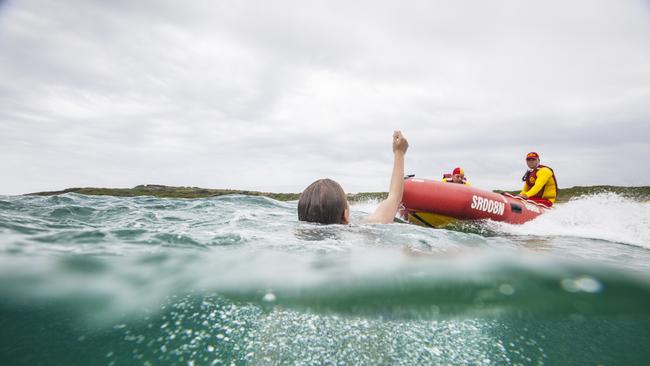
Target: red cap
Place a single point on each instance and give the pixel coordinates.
(532, 155)
(458, 170)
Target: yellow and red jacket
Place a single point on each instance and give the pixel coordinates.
(540, 183)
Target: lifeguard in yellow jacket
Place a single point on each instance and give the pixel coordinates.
(457, 176)
(539, 182)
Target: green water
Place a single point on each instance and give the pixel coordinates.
(238, 280)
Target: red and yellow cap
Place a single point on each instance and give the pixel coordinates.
(458, 170)
(532, 155)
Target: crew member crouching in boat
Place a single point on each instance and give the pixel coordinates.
(457, 176)
(539, 182)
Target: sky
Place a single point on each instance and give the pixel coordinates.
(272, 95)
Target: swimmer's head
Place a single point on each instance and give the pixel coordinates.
(325, 202)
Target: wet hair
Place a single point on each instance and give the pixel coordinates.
(324, 201)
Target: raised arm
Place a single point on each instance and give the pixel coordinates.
(385, 212)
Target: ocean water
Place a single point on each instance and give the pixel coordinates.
(237, 280)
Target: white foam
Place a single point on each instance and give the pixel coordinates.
(605, 216)
(366, 207)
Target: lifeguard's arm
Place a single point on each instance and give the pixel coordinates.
(385, 212)
(543, 176)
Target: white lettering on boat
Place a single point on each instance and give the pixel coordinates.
(487, 205)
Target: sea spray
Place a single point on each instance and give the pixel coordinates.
(605, 216)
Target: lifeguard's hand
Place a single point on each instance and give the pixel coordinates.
(400, 144)
(522, 196)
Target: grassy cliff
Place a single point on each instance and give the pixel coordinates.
(641, 193)
(156, 190)
(192, 192)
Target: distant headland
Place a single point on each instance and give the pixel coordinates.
(156, 190)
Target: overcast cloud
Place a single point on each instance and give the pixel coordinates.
(271, 95)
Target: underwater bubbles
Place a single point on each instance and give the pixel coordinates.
(581, 284)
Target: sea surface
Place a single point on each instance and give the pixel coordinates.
(238, 280)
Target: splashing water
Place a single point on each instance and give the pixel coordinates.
(605, 216)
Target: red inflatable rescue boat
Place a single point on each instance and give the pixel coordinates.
(435, 204)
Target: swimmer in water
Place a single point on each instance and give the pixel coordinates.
(325, 202)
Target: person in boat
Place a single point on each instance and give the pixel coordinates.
(324, 201)
(457, 176)
(540, 184)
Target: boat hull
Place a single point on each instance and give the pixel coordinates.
(432, 203)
